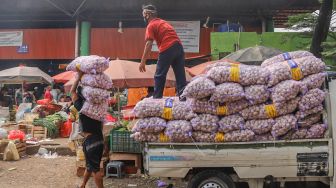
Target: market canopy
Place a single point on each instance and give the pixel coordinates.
(202, 68)
(57, 12)
(253, 55)
(170, 74)
(126, 74)
(199, 69)
(64, 77)
(23, 74)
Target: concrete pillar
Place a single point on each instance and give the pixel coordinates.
(270, 25)
(77, 39)
(263, 25)
(85, 38)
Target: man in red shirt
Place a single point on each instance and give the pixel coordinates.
(47, 94)
(170, 51)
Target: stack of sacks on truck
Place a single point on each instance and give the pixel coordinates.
(163, 120)
(281, 99)
(95, 84)
(309, 71)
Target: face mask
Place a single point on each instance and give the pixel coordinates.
(145, 20)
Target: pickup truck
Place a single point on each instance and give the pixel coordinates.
(252, 164)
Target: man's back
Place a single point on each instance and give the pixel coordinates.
(162, 32)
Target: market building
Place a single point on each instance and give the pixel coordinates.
(250, 108)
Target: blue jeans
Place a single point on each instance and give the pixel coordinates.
(173, 56)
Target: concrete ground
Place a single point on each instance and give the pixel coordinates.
(36, 172)
(60, 172)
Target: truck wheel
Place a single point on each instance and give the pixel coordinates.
(211, 179)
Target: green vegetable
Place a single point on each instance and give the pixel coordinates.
(51, 123)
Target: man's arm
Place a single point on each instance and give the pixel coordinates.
(74, 96)
(148, 49)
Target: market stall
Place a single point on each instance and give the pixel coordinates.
(33, 123)
(203, 67)
(64, 77)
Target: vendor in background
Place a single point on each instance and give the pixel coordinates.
(5, 99)
(28, 97)
(55, 91)
(93, 145)
(18, 97)
(62, 98)
(2, 97)
(68, 99)
(61, 95)
(171, 51)
(36, 93)
(47, 94)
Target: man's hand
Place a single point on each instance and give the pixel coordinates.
(142, 67)
(148, 48)
(74, 97)
(75, 84)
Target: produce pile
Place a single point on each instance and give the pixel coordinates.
(281, 99)
(94, 84)
(52, 123)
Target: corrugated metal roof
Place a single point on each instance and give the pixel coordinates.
(111, 10)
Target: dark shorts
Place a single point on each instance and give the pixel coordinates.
(93, 148)
(89, 125)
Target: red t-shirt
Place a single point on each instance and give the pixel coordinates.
(162, 32)
(47, 95)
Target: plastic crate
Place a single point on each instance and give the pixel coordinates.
(120, 141)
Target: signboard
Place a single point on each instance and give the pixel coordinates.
(23, 49)
(312, 164)
(11, 38)
(188, 32)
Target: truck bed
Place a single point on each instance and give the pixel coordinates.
(281, 159)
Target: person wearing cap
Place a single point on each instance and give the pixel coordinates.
(35, 93)
(171, 52)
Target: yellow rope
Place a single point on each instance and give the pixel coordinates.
(296, 73)
(219, 137)
(78, 67)
(222, 110)
(234, 73)
(295, 70)
(168, 110)
(271, 111)
(163, 138)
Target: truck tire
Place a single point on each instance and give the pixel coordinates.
(211, 179)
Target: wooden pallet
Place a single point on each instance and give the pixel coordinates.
(128, 157)
(26, 128)
(39, 132)
(3, 145)
(21, 148)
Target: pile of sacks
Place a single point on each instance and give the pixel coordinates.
(95, 84)
(163, 120)
(281, 99)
